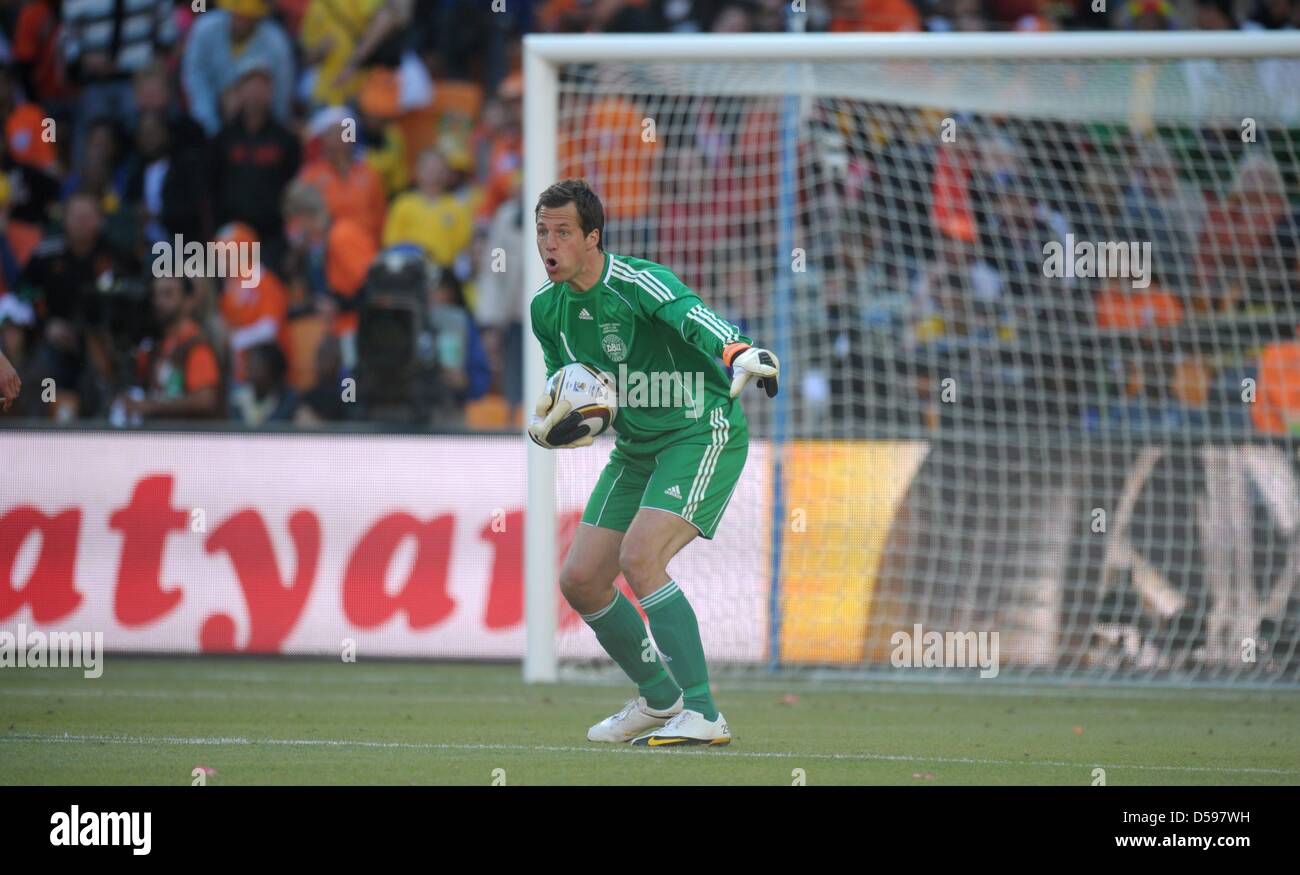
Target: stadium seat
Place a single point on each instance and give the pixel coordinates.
(489, 412)
(419, 130)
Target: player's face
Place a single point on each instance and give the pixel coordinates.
(561, 244)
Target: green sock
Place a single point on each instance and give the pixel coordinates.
(621, 632)
(677, 633)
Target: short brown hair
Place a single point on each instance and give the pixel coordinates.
(591, 213)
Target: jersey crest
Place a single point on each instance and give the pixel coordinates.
(614, 347)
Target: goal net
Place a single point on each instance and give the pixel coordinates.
(1037, 322)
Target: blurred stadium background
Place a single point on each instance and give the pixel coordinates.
(1102, 471)
(1099, 468)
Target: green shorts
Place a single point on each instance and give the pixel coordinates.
(691, 475)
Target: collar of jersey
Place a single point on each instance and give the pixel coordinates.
(604, 279)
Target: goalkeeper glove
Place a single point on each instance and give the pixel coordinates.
(748, 362)
(558, 428)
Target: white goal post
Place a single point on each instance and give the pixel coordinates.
(1087, 639)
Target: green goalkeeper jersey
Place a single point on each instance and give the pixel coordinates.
(652, 334)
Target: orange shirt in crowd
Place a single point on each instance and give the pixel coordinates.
(505, 167)
(951, 210)
(254, 315)
(23, 238)
(357, 195)
(606, 149)
(24, 132)
(201, 368)
(349, 250)
(1278, 396)
(855, 16)
(1141, 308)
(36, 43)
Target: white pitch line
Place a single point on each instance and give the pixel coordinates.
(583, 697)
(620, 749)
(405, 697)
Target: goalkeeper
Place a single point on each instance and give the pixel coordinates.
(673, 467)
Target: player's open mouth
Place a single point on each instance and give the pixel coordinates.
(551, 264)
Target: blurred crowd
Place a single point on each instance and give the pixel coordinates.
(371, 151)
(940, 273)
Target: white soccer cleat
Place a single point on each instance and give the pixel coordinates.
(688, 728)
(636, 718)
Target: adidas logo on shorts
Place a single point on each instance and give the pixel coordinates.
(673, 491)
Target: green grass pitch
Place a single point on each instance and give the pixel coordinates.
(270, 721)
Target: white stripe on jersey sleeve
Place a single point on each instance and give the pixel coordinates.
(709, 326)
(639, 279)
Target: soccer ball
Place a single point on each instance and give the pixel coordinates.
(590, 392)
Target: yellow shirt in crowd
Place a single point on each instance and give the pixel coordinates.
(443, 226)
(344, 22)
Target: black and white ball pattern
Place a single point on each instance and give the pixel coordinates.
(590, 392)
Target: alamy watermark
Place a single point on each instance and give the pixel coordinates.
(36, 649)
(647, 389)
(75, 828)
(1105, 260)
(214, 259)
(933, 649)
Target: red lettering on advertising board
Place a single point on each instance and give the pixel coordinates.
(275, 602)
(273, 608)
(505, 604)
(145, 523)
(423, 596)
(50, 589)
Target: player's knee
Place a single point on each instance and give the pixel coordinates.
(582, 587)
(638, 563)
